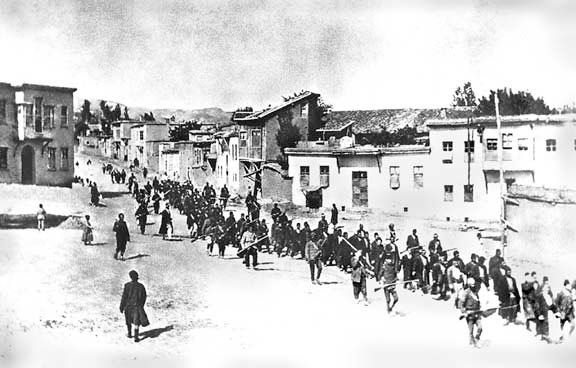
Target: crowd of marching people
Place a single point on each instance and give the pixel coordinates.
(431, 269)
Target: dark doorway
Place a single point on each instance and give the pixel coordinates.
(359, 188)
(28, 169)
(314, 199)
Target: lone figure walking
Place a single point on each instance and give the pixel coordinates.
(122, 236)
(132, 305)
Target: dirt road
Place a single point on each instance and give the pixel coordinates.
(59, 307)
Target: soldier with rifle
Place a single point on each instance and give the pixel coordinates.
(389, 277)
(470, 308)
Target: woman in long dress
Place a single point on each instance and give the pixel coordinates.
(87, 233)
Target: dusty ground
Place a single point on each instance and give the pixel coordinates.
(59, 303)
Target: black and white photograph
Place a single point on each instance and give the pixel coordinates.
(273, 183)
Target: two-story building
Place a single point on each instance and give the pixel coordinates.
(258, 149)
(193, 158)
(36, 134)
(536, 151)
(121, 137)
(145, 140)
(227, 161)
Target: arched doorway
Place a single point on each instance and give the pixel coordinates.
(28, 167)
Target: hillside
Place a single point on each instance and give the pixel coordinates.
(209, 114)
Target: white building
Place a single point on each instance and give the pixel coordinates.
(392, 178)
(145, 140)
(456, 177)
(227, 162)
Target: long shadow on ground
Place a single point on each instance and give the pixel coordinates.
(155, 332)
(137, 256)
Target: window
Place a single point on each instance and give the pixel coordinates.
(2, 111)
(38, 114)
(256, 140)
(522, 144)
(29, 115)
(198, 159)
(51, 158)
(324, 176)
(234, 152)
(64, 116)
(574, 144)
(394, 177)
(468, 151)
(507, 141)
(141, 135)
(551, 145)
(491, 144)
(447, 146)
(3, 157)
(469, 193)
(64, 159)
(448, 193)
(48, 117)
(418, 177)
(304, 176)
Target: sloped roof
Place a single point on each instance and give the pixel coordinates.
(269, 112)
(373, 121)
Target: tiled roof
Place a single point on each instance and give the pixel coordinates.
(373, 121)
(265, 113)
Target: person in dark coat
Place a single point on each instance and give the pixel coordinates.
(541, 309)
(165, 222)
(334, 215)
(94, 195)
(156, 202)
(509, 297)
(142, 216)
(122, 236)
(132, 305)
(528, 300)
(412, 240)
(224, 195)
(276, 212)
(494, 265)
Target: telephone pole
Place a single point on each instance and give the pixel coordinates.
(501, 172)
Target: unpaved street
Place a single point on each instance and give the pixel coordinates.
(59, 306)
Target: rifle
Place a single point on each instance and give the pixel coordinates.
(409, 249)
(486, 312)
(369, 268)
(243, 251)
(393, 283)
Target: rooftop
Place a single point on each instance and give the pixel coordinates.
(334, 150)
(271, 111)
(506, 120)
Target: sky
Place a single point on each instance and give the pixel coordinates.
(358, 54)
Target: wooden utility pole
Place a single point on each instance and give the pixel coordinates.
(500, 142)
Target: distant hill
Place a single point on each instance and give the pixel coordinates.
(209, 114)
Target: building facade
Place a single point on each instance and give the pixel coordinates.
(258, 149)
(227, 162)
(145, 140)
(121, 137)
(36, 134)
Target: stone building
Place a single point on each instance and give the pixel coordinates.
(36, 134)
(258, 150)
